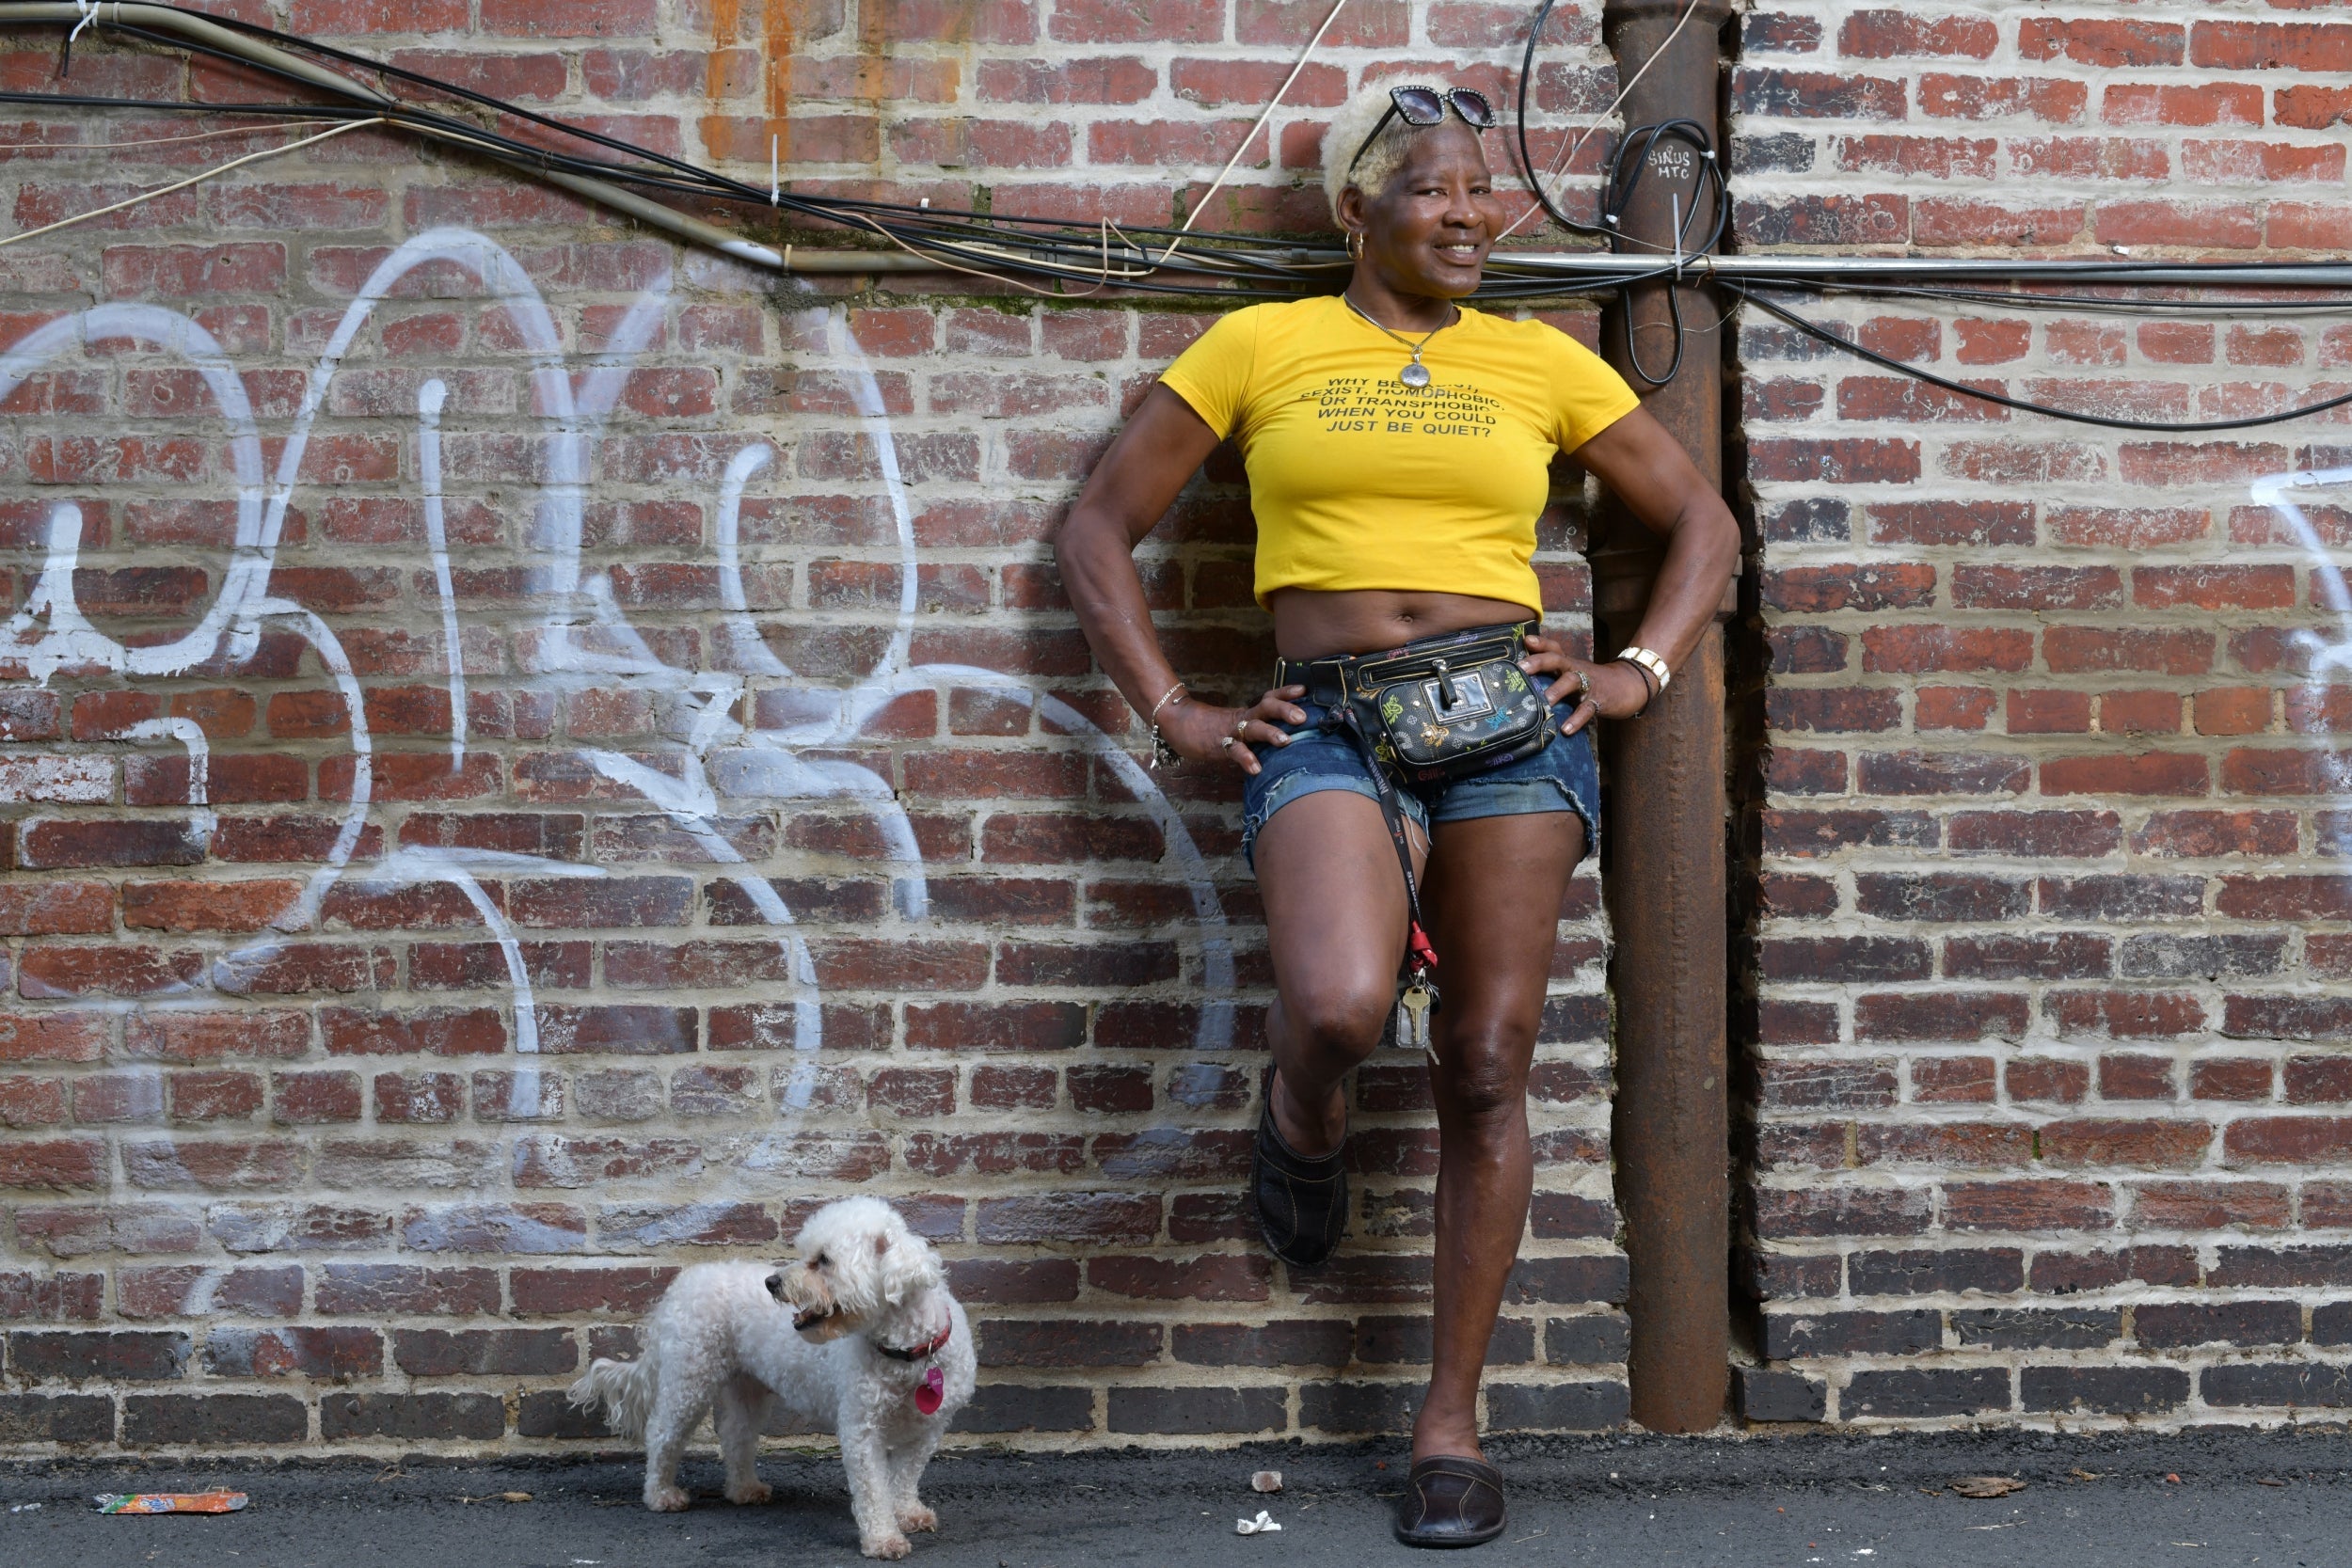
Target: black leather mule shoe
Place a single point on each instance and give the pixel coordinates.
(1301, 1199)
(1450, 1502)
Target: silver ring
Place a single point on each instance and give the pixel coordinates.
(1228, 740)
(1239, 725)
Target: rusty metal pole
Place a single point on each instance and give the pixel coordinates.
(1665, 867)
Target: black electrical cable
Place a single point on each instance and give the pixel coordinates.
(386, 69)
(2003, 299)
(1074, 257)
(1067, 253)
(1618, 195)
(1056, 251)
(1814, 329)
(1527, 159)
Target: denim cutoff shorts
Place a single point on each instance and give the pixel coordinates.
(1560, 777)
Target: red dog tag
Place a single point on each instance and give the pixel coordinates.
(928, 1392)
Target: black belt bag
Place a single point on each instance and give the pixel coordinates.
(1432, 711)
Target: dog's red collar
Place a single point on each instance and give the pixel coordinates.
(917, 1353)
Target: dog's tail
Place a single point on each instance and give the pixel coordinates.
(623, 1388)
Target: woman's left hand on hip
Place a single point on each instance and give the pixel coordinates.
(1612, 690)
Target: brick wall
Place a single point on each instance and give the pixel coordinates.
(788, 849)
(2049, 1011)
(362, 1078)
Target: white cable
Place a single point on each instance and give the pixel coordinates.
(1219, 184)
(1568, 157)
(184, 185)
(89, 14)
(164, 142)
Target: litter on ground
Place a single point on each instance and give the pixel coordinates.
(1266, 1480)
(1987, 1486)
(1263, 1525)
(170, 1502)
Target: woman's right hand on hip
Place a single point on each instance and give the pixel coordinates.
(1200, 732)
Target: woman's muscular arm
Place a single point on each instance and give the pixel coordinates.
(1124, 498)
(1648, 470)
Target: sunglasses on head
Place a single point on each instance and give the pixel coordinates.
(1424, 108)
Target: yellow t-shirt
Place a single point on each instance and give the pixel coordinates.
(1359, 481)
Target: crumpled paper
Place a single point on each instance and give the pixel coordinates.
(1263, 1525)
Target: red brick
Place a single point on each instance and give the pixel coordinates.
(2028, 1078)
(1879, 35)
(2101, 42)
(1917, 648)
(2209, 1206)
(2311, 107)
(2236, 1078)
(1817, 95)
(2148, 773)
(2126, 1015)
(2051, 99)
(2146, 1145)
(2169, 104)
(2037, 712)
(1952, 708)
(2271, 46)
(183, 272)
(2028, 1206)
(1125, 22)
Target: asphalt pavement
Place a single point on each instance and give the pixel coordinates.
(2202, 1496)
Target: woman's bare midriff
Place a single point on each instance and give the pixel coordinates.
(1309, 623)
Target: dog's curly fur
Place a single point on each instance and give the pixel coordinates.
(743, 1336)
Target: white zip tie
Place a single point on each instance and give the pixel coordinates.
(89, 14)
(775, 183)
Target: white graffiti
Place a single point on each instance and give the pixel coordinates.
(2327, 652)
(584, 636)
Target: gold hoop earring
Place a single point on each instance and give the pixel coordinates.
(1355, 245)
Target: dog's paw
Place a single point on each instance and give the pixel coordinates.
(917, 1518)
(893, 1546)
(757, 1491)
(667, 1500)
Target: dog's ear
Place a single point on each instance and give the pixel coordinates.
(905, 1266)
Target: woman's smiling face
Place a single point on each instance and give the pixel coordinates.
(1428, 231)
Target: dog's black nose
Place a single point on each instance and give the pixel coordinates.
(775, 1285)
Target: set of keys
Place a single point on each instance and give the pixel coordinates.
(1413, 1007)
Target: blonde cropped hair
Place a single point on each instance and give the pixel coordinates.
(1349, 128)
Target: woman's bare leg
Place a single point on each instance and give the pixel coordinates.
(1495, 921)
(1335, 924)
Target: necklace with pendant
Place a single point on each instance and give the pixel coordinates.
(1415, 373)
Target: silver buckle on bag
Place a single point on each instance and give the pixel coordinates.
(1456, 697)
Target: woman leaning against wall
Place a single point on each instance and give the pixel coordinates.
(1419, 777)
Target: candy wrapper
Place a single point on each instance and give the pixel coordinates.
(170, 1502)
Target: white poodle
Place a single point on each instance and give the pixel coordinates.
(861, 1334)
